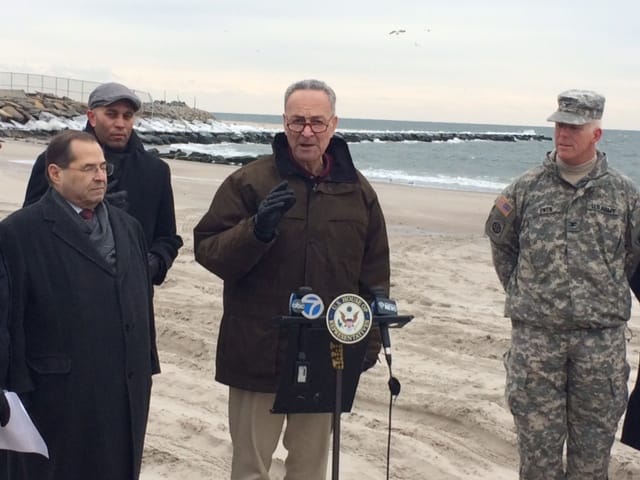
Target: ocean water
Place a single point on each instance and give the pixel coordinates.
(478, 165)
(459, 165)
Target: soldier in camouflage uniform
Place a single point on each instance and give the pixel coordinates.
(564, 243)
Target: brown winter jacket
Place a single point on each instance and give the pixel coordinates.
(333, 239)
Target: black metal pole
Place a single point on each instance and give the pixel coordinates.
(335, 470)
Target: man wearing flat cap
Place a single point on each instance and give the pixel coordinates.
(564, 239)
(140, 183)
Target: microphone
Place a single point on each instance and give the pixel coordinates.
(309, 305)
(306, 303)
(295, 300)
(383, 306)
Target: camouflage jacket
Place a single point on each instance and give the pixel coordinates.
(564, 253)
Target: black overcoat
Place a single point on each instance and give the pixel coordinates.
(82, 342)
(4, 322)
(631, 425)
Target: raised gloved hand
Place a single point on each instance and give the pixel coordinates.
(271, 210)
(116, 198)
(5, 410)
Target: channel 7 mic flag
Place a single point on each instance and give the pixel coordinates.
(313, 306)
(310, 306)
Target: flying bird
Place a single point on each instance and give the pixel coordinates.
(396, 32)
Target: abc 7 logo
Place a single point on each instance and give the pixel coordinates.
(313, 306)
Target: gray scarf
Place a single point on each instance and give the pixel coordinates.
(98, 229)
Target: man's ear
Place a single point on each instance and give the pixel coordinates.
(597, 135)
(91, 116)
(54, 172)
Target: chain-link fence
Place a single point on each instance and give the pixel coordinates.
(78, 90)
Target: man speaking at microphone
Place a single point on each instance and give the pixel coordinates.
(303, 215)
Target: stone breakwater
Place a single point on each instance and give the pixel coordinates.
(17, 108)
(20, 107)
(266, 137)
(204, 157)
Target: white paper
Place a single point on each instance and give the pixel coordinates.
(20, 434)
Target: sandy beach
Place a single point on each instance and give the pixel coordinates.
(450, 420)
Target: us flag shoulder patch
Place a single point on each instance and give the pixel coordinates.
(503, 204)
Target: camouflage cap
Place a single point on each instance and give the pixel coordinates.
(112, 92)
(578, 107)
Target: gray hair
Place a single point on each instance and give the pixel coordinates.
(312, 84)
(59, 150)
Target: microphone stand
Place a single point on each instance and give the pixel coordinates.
(393, 383)
(337, 361)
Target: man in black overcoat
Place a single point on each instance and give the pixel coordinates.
(81, 323)
(4, 341)
(139, 183)
(631, 425)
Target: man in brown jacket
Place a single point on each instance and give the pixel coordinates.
(303, 215)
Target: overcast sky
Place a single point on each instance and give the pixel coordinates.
(500, 62)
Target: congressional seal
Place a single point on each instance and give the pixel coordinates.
(349, 318)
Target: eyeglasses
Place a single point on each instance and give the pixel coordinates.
(316, 126)
(93, 169)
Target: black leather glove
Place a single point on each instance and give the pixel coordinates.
(5, 410)
(155, 265)
(116, 198)
(271, 210)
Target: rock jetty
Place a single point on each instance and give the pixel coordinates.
(21, 107)
(265, 137)
(17, 108)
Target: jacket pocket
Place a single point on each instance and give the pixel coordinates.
(515, 393)
(50, 364)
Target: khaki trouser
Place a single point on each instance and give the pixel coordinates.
(255, 432)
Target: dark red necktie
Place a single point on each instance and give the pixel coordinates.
(86, 214)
